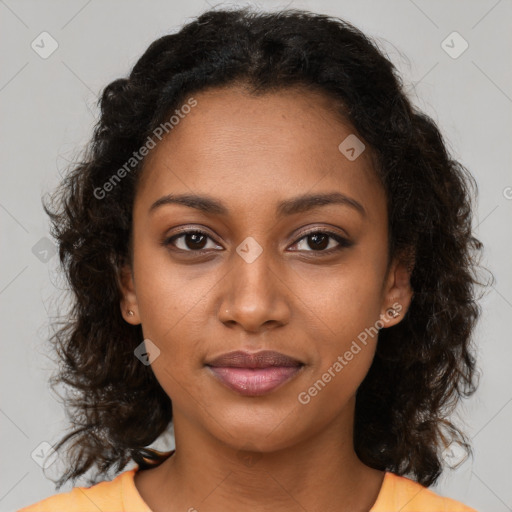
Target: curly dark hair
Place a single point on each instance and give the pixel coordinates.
(423, 365)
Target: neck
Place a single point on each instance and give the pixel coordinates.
(322, 472)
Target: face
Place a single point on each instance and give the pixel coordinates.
(250, 264)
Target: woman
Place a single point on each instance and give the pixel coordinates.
(269, 246)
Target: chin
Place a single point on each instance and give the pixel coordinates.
(254, 433)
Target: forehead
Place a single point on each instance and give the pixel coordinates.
(244, 147)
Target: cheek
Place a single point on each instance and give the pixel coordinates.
(349, 309)
(351, 299)
(172, 309)
(344, 351)
(167, 296)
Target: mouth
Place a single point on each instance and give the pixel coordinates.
(254, 374)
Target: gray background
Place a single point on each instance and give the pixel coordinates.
(48, 110)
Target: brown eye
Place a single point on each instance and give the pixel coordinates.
(322, 241)
(190, 241)
(195, 241)
(318, 241)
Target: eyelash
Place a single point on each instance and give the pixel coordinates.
(343, 242)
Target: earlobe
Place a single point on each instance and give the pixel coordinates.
(398, 295)
(129, 308)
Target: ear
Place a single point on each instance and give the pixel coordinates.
(129, 297)
(398, 293)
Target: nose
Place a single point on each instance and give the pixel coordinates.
(255, 296)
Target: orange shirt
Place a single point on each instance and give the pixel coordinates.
(397, 494)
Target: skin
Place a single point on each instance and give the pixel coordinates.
(250, 153)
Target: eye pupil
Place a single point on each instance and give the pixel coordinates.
(197, 238)
(320, 241)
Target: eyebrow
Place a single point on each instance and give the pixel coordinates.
(291, 206)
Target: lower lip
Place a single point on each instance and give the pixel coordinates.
(254, 382)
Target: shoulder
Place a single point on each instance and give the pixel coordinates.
(106, 496)
(406, 495)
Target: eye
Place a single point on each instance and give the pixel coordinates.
(323, 242)
(318, 241)
(190, 241)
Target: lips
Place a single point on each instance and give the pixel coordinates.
(263, 359)
(254, 374)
